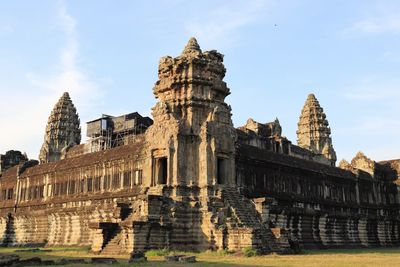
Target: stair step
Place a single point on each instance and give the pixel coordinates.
(244, 210)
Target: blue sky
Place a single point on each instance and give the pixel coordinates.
(106, 53)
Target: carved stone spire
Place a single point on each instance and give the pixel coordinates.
(192, 117)
(193, 80)
(192, 48)
(313, 131)
(362, 162)
(62, 130)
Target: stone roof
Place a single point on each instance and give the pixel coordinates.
(10, 173)
(255, 154)
(89, 159)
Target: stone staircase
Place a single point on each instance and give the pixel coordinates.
(9, 234)
(241, 216)
(241, 207)
(247, 216)
(116, 243)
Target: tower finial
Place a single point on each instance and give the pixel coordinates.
(311, 96)
(192, 47)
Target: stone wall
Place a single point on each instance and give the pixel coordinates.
(321, 206)
(318, 205)
(54, 203)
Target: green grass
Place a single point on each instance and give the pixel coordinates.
(250, 252)
(158, 252)
(316, 258)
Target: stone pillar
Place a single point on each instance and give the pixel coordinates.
(98, 237)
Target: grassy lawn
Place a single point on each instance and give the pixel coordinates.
(325, 258)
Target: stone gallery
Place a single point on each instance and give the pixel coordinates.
(188, 180)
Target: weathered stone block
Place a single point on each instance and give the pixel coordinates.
(8, 259)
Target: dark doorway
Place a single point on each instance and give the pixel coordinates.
(162, 170)
(221, 170)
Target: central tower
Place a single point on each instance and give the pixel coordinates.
(62, 131)
(193, 138)
(314, 133)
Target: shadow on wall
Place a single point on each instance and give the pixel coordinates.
(9, 233)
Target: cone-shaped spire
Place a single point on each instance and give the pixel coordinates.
(311, 98)
(63, 130)
(313, 130)
(192, 48)
(362, 162)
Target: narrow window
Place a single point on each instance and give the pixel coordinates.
(35, 194)
(277, 146)
(82, 185)
(127, 179)
(60, 188)
(116, 182)
(72, 187)
(90, 184)
(106, 182)
(97, 183)
(41, 195)
(138, 177)
(10, 193)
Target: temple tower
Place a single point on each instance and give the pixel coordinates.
(62, 130)
(314, 133)
(192, 136)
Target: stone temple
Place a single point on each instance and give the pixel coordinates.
(187, 179)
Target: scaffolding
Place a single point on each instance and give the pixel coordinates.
(108, 131)
(102, 142)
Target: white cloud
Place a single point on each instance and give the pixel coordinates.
(219, 26)
(377, 25)
(375, 135)
(72, 77)
(386, 151)
(391, 56)
(379, 18)
(6, 29)
(374, 88)
(29, 109)
(374, 94)
(373, 126)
